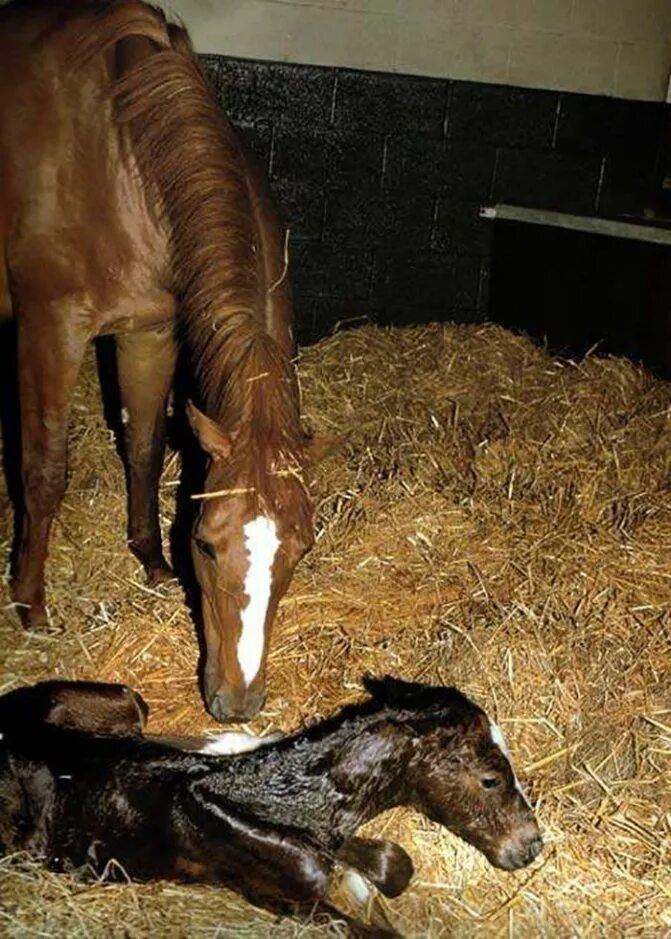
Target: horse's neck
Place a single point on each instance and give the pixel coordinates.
(247, 379)
(328, 787)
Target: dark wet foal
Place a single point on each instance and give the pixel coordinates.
(279, 822)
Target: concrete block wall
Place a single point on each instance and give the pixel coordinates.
(380, 178)
(620, 48)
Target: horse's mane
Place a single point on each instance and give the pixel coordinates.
(195, 174)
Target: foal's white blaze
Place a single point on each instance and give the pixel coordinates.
(499, 740)
(262, 543)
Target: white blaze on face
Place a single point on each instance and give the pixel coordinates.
(499, 740)
(262, 543)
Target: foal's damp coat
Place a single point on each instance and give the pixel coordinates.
(129, 207)
(80, 785)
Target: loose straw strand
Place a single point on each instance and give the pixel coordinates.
(285, 269)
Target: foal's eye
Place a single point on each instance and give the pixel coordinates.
(206, 548)
(490, 782)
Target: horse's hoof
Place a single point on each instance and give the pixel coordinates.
(160, 574)
(35, 618)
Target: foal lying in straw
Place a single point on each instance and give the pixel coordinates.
(81, 785)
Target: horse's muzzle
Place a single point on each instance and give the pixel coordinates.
(233, 704)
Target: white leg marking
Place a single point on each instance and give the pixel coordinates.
(125, 416)
(231, 742)
(262, 544)
(499, 740)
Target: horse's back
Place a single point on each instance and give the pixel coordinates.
(20, 27)
(74, 220)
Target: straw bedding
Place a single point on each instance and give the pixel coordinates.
(495, 519)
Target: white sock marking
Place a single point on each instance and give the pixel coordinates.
(262, 544)
(231, 742)
(499, 740)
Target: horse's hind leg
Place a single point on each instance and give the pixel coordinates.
(146, 364)
(49, 357)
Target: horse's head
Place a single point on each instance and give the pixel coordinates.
(460, 773)
(254, 525)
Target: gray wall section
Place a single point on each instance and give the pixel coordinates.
(620, 48)
(380, 178)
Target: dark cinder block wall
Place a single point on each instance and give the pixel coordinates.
(380, 178)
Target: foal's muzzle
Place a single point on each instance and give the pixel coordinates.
(520, 850)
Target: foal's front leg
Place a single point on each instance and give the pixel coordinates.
(273, 864)
(49, 357)
(146, 364)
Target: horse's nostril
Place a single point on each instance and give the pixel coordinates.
(228, 705)
(218, 707)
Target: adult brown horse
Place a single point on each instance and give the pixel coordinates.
(129, 208)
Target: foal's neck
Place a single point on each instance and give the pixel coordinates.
(369, 771)
(327, 781)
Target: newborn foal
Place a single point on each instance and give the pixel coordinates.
(79, 784)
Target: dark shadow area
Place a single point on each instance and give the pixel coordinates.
(192, 479)
(10, 426)
(105, 350)
(574, 291)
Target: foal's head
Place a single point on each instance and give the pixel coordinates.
(254, 525)
(459, 771)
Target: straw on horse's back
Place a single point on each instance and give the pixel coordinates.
(130, 208)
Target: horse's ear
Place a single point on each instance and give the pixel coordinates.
(319, 447)
(210, 436)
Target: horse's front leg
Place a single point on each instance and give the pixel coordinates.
(49, 357)
(146, 365)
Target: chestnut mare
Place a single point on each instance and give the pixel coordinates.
(129, 208)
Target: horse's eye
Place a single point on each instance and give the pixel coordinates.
(490, 782)
(206, 548)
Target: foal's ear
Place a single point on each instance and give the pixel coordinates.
(394, 691)
(210, 436)
(386, 690)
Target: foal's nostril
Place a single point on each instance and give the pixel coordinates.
(519, 852)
